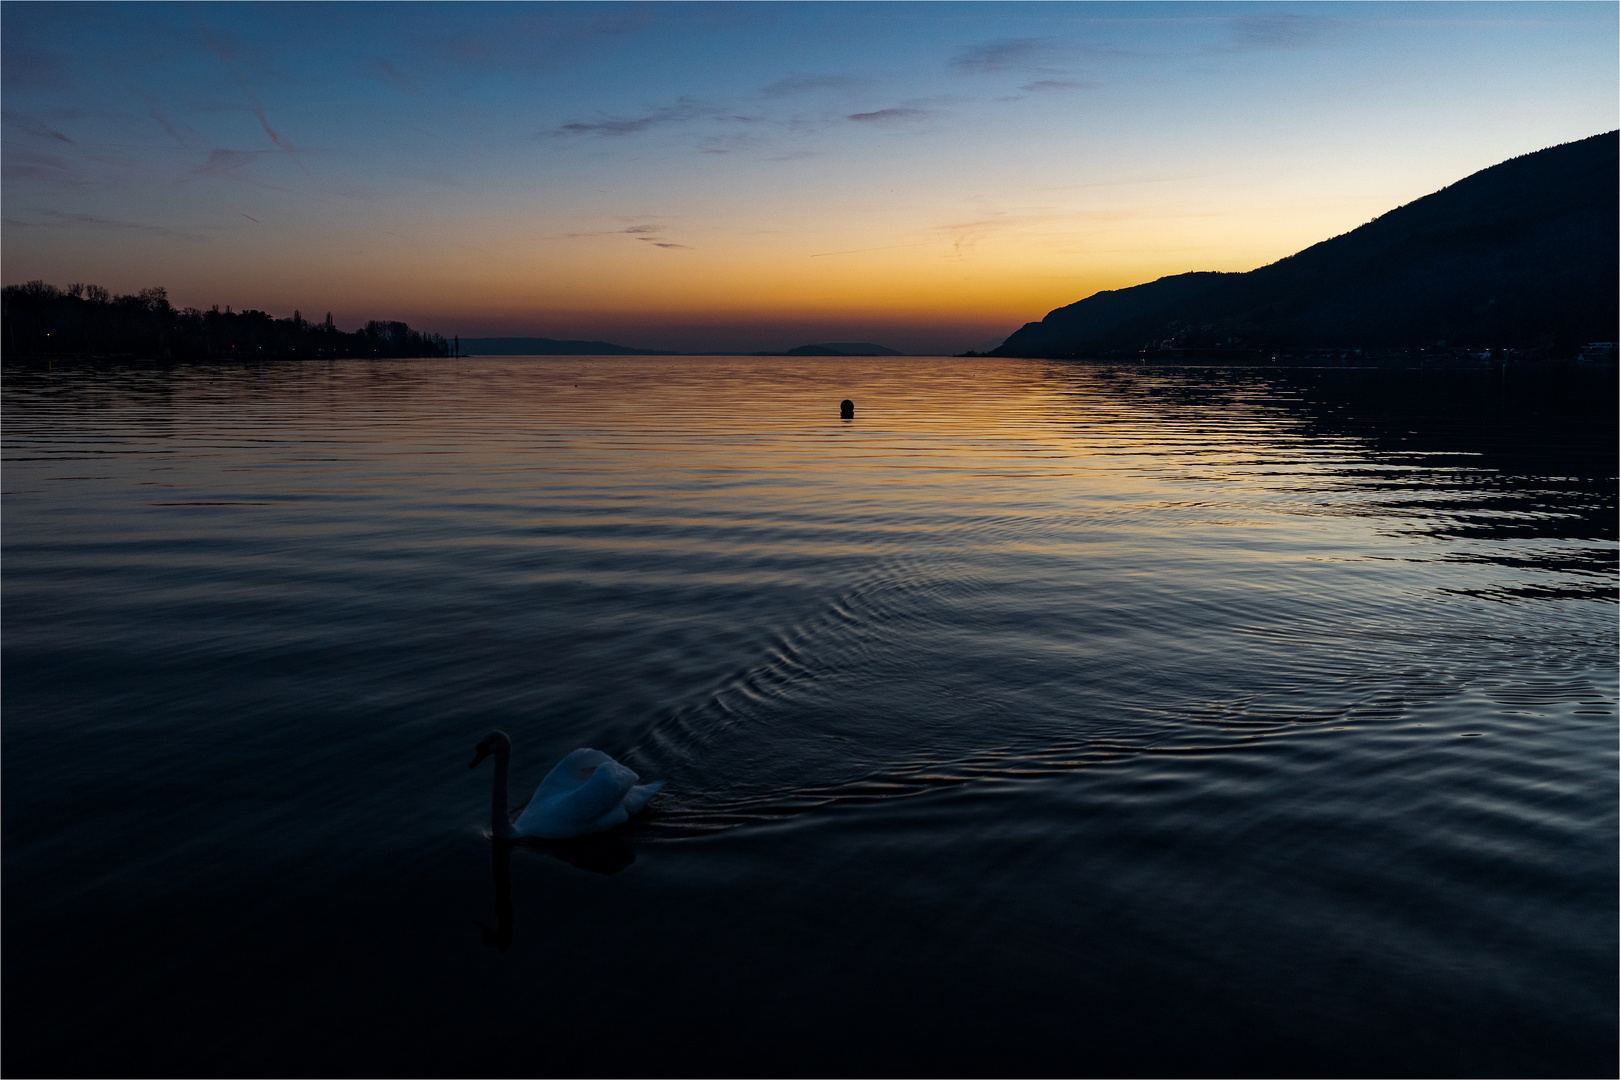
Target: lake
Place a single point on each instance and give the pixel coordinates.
(1045, 718)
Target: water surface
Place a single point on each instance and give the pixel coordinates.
(1045, 718)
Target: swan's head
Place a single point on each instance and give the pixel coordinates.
(495, 742)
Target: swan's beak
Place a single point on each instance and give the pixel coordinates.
(483, 752)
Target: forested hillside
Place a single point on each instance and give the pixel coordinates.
(1522, 255)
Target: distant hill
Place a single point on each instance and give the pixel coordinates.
(1520, 255)
(843, 348)
(542, 346)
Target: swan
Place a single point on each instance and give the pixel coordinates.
(586, 792)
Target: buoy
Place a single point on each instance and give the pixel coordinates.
(846, 409)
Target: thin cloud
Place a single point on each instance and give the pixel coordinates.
(645, 232)
(1001, 55)
(62, 218)
(537, 40)
(440, 179)
(24, 164)
(220, 161)
(1051, 57)
(199, 105)
(28, 68)
(685, 110)
(1047, 85)
(964, 236)
(808, 84)
(232, 165)
(680, 112)
(224, 51)
(264, 122)
(35, 126)
(888, 116)
(612, 127)
(383, 70)
(1264, 33)
(885, 247)
(186, 137)
(726, 144)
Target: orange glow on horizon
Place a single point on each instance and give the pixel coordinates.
(942, 180)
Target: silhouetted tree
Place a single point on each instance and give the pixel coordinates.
(41, 320)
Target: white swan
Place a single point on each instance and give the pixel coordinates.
(585, 792)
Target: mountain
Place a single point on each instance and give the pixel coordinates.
(1519, 255)
(843, 348)
(543, 346)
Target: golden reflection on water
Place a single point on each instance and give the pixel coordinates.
(1275, 698)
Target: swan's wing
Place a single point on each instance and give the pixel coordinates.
(590, 807)
(639, 795)
(602, 793)
(569, 774)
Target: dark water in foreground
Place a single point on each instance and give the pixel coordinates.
(1045, 718)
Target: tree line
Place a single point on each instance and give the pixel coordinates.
(38, 320)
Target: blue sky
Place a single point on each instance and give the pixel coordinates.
(739, 176)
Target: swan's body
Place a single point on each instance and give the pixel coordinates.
(586, 792)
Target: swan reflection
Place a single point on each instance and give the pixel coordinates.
(499, 936)
(603, 853)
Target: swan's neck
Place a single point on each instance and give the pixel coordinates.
(500, 823)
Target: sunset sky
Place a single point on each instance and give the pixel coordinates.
(747, 176)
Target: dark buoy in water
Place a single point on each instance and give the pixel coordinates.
(846, 409)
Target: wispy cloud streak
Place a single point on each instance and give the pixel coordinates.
(882, 116)
(62, 219)
(33, 165)
(809, 84)
(185, 137)
(682, 111)
(1047, 85)
(1264, 33)
(226, 54)
(225, 164)
(1006, 55)
(383, 70)
(34, 126)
